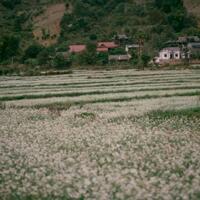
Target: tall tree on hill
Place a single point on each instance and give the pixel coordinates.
(9, 47)
(10, 4)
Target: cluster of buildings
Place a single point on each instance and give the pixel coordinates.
(102, 47)
(175, 52)
(119, 41)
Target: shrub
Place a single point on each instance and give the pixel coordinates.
(102, 58)
(60, 62)
(2, 106)
(43, 57)
(145, 58)
(32, 51)
(10, 4)
(9, 47)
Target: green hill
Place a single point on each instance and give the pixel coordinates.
(63, 22)
(193, 6)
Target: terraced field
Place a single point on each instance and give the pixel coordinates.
(121, 134)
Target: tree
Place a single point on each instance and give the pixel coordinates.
(9, 47)
(89, 57)
(93, 37)
(43, 57)
(118, 51)
(102, 58)
(10, 4)
(169, 5)
(32, 51)
(177, 21)
(145, 58)
(134, 57)
(60, 62)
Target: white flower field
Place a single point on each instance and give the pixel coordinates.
(101, 135)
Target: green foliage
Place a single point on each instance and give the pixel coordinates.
(145, 58)
(150, 22)
(102, 58)
(60, 62)
(196, 55)
(32, 51)
(169, 5)
(10, 4)
(43, 57)
(176, 14)
(9, 47)
(165, 115)
(135, 57)
(88, 57)
(18, 22)
(118, 51)
(31, 62)
(8, 70)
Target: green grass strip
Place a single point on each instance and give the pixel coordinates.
(106, 83)
(76, 94)
(168, 114)
(67, 105)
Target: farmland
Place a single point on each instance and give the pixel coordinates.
(121, 134)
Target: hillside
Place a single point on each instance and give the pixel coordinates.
(64, 22)
(193, 6)
(46, 27)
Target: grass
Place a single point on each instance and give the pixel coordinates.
(62, 105)
(2, 106)
(75, 94)
(103, 83)
(168, 114)
(31, 197)
(56, 106)
(183, 119)
(180, 119)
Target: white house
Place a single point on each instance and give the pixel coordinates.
(124, 57)
(169, 54)
(131, 46)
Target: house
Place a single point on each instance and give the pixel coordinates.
(194, 47)
(182, 41)
(121, 38)
(132, 46)
(77, 48)
(169, 55)
(119, 57)
(187, 39)
(106, 46)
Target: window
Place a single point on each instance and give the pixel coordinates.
(165, 55)
(176, 55)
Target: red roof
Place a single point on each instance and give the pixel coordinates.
(108, 45)
(102, 49)
(77, 48)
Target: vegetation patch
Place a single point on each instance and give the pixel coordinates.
(55, 106)
(2, 106)
(183, 119)
(38, 117)
(76, 94)
(189, 113)
(86, 115)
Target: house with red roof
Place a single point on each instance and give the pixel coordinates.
(106, 46)
(77, 48)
